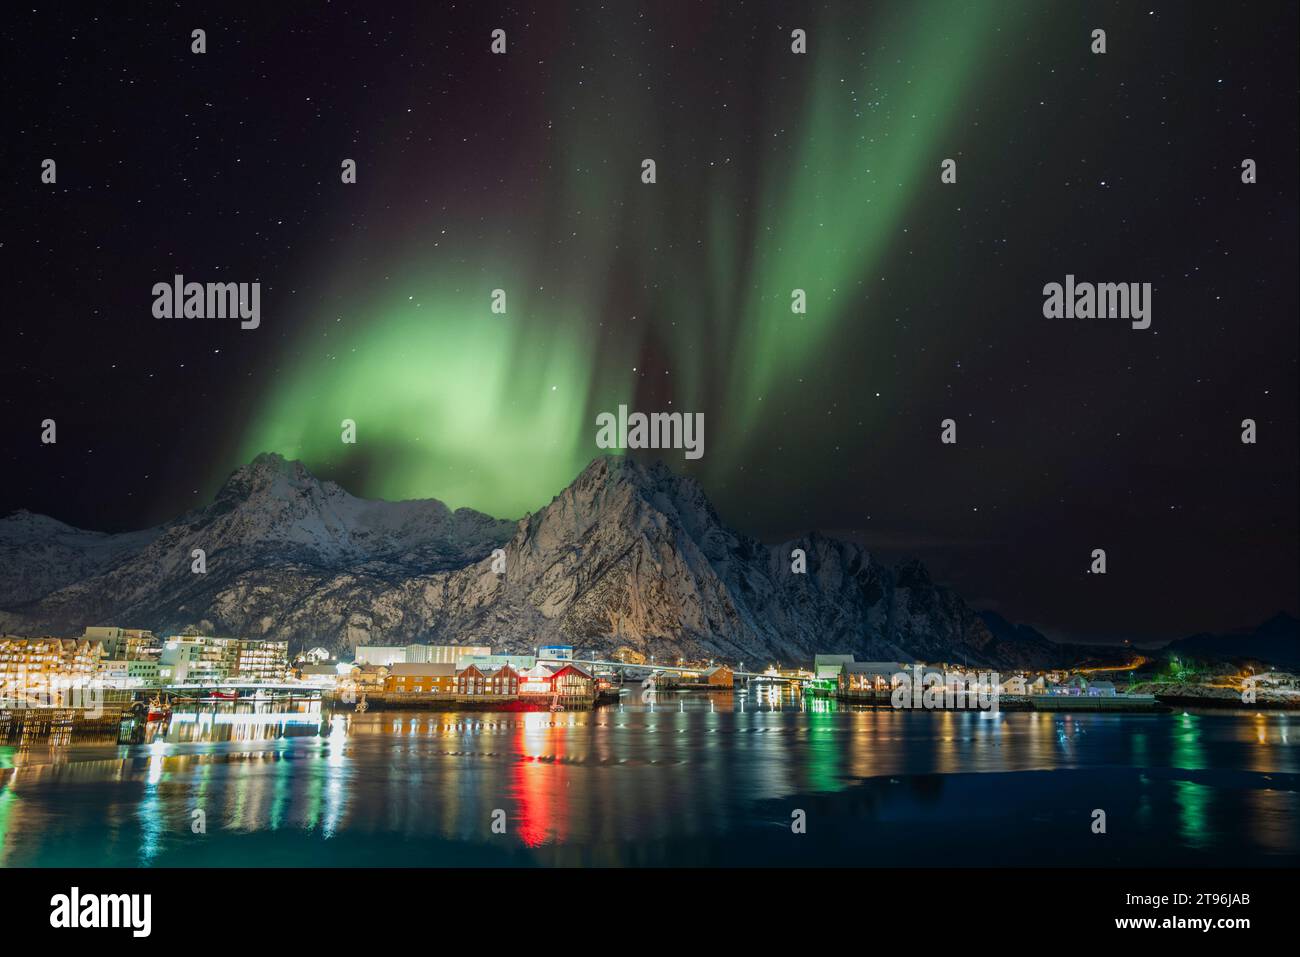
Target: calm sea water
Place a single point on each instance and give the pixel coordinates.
(690, 780)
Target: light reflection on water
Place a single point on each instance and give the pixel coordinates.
(684, 779)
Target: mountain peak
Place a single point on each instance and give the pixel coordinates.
(264, 473)
(271, 460)
(33, 522)
(652, 476)
(273, 463)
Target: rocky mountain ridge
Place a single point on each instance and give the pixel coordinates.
(627, 555)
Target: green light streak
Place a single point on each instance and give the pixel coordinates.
(481, 410)
(872, 135)
(497, 412)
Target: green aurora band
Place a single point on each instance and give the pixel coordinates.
(872, 136)
(476, 409)
(498, 412)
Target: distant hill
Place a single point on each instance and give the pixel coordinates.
(1275, 642)
(1061, 654)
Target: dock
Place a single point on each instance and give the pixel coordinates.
(1112, 704)
(24, 726)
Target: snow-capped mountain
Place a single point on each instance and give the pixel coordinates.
(627, 555)
(39, 555)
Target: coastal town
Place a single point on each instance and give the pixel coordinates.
(125, 671)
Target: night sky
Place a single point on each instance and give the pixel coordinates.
(775, 171)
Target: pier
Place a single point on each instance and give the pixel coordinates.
(24, 726)
(1113, 704)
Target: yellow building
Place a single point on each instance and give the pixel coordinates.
(40, 670)
(434, 677)
(50, 657)
(365, 678)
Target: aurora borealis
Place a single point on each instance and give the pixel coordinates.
(775, 171)
(447, 396)
(450, 397)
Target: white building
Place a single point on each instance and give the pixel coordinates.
(321, 675)
(486, 663)
(415, 654)
(829, 666)
(131, 673)
(123, 644)
(200, 659)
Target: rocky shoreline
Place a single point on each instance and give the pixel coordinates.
(1227, 698)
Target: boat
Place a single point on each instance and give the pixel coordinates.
(158, 710)
(226, 695)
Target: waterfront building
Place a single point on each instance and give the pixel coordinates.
(319, 675)
(413, 654)
(406, 677)
(572, 682)
(386, 655)
(486, 663)
(30, 661)
(365, 678)
(668, 680)
(1015, 684)
(555, 653)
(124, 644)
(447, 654)
(719, 676)
(262, 661)
(202, 659)
(1079, 686)
(829, 666)
(536, 680)
(469, 681)
(215, 658)
(176, 658)
(504, 682)
(870, 676)
(131, 673)
(1074, 685)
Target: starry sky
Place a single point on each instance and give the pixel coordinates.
(774, 171)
